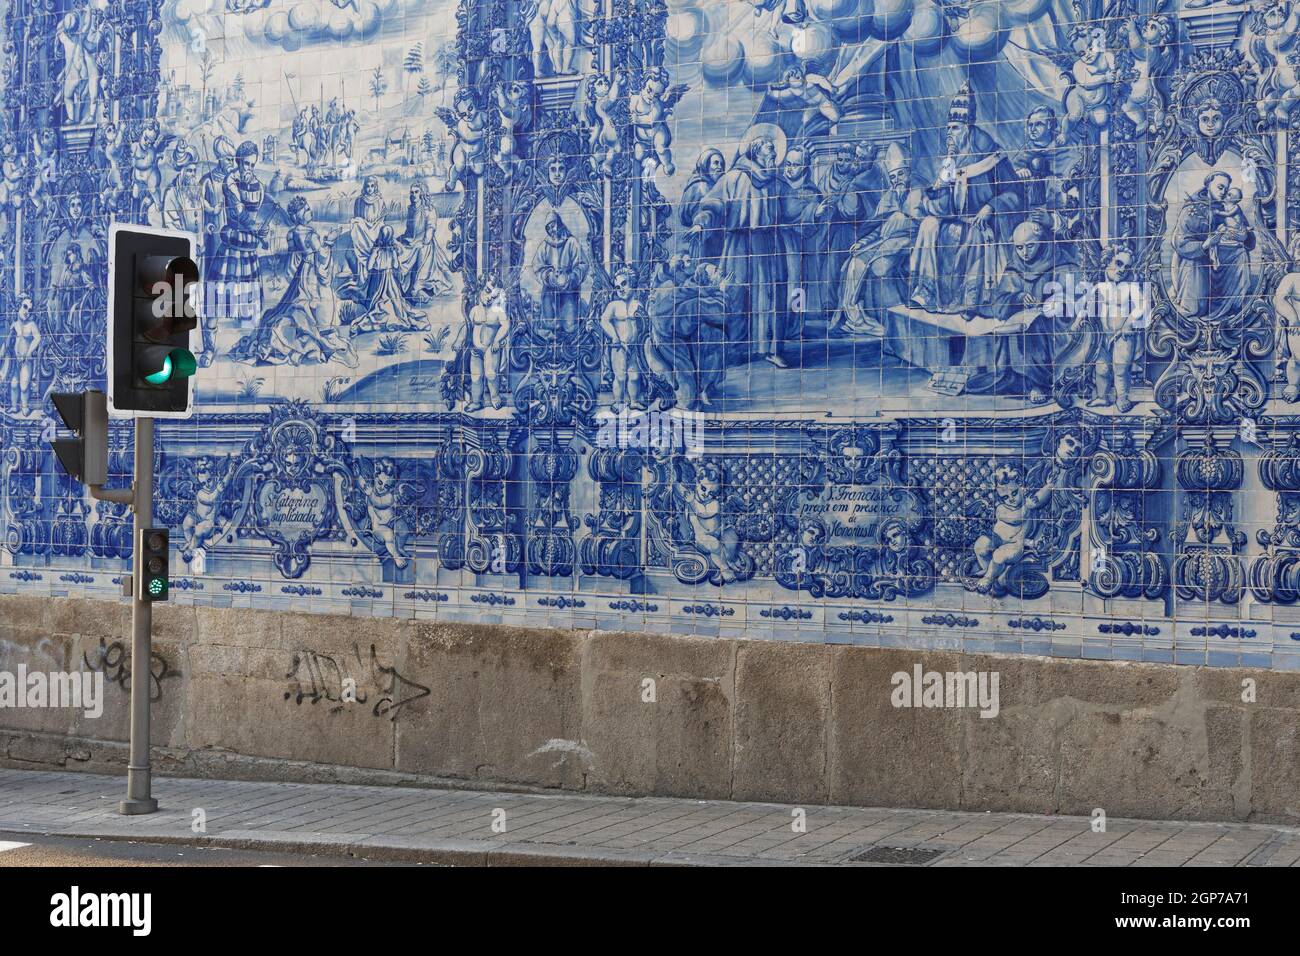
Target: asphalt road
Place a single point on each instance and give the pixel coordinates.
(29, 849)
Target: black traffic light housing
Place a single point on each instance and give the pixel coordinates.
(155, 582)
(152, 291)
(85, 414)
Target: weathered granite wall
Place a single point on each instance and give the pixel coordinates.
(265, 694)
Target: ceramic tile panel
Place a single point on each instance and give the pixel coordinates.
(962, 324)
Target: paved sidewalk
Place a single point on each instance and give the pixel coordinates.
(456, 826)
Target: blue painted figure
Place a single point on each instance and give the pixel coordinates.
(428, 270)
(874, 279)
(745, 206)
(1211, 256)
(237, 270)
(560, 268)
(383, 304)
(970, 212)
(303, 326)
(21, 348)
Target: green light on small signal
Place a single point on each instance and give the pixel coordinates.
(156, 586)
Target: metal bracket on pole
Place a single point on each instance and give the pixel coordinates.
(93, 426)
(120, 496)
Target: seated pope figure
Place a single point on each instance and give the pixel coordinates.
(969, 212)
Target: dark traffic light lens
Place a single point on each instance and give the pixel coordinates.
(156, 566)
(156, 542)
(169, 270)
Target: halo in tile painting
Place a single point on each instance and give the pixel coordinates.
(931, 324)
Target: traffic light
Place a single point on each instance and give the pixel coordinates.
(152, 292)
(154, 583)
(85, 457)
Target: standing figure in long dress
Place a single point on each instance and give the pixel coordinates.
(367, 217)
(1211, 267)
(212, 202)
(745, 206)
(181, 203)
(428, 270)
(804, 238)
(708, 170)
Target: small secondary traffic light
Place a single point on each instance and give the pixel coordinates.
(154, 583)
(85, 457)
(152, 292)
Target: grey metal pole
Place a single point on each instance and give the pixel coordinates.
(138, 782)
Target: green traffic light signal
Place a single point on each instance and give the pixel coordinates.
(156, 586)
(177, 363)
(162, 375)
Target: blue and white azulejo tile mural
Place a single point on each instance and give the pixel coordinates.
(937, 323)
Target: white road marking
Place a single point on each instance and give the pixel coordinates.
(10, 845)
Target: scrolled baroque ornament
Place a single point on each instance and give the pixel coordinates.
(1123, 557)
(1275, 574)
(1209, 565)
(613, 545)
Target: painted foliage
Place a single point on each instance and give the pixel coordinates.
(946, 324)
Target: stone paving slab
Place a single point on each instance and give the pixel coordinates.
(471, 827)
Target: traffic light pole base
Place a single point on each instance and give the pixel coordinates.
(138, 781)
